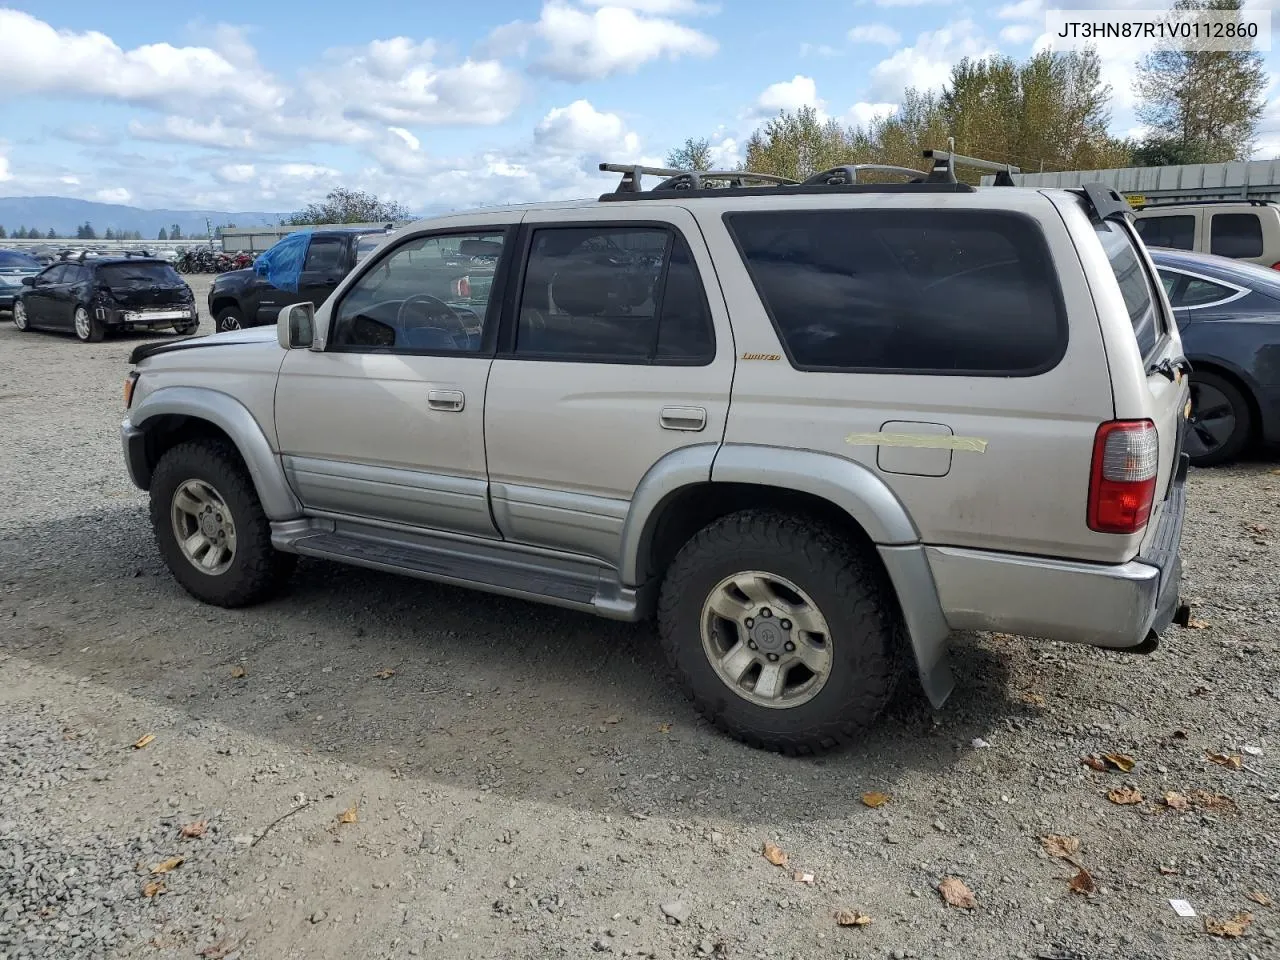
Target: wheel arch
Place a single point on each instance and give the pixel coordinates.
(692, 487)
(171, 415)
(1241, 380)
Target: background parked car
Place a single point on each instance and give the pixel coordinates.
(1246, 230)
(93, 295)
(1228, 312)
(14, 265)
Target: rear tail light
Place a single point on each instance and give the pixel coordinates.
(463, 288)
(1122, 487)
(1276, 265)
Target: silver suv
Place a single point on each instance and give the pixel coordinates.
(815, 428)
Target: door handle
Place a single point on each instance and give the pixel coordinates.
(450, 400)
(683, 418)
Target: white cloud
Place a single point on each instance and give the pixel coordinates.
(397, 81)
(818, 50)
(799, 91)
(927, 64)
(4, 169)
(661, 8)
(1017, 33)
(581, 45)
(204, 132)
(113, 195)
(875, 33)
(861, 114)
(35, 58)
(1118, 66)
(582, 129)
(1022, 10)
(413, 142)
(914, 3)
(236, 172)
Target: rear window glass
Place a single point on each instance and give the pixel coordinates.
(1139, 298)
(1235, 235)
(933, 291)
(366, 243)
(114, 274)
(1178, 232)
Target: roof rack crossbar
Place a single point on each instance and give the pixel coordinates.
(945, 161)
(849, 174)
(676, 179)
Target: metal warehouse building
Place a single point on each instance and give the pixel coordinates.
(1252, 180)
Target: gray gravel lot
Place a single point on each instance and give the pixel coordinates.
(524, 782)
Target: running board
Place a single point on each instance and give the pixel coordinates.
(491, 566)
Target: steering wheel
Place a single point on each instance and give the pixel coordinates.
(437, 308)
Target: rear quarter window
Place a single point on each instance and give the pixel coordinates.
(1135, 286)
(960, 292)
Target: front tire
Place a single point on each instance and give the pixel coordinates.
(228, 319)
(785, 636)
(186, 329)
(210, 527)
(20, 316)
(89, 328)
(1221, 421)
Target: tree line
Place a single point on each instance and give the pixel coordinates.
(1048, 113)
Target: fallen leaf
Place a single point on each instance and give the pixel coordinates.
(800, 877)
(166, 865)
(1179, 735)
(664, 728)
(1094, 762)
(348, 816)
(850, 918)
(1082, 882)
(238, 672)
(224, 947)
(1260, 898)
(143, 741)
(1176, 801)
(1124, 796)
(1032, 699)
(775, 854)
(1235, 927)
(875, 799)
(1195, 624)
(152, 887)
(1231, 761)
(384, 674)
(1118, 760)
(1208, 800)
(955, 892)
(1169, 871)
(1260, 529)
(195, 830)
(614, 719)
(1060, 846)
(1200, 691)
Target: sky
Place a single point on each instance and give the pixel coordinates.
(450, 105)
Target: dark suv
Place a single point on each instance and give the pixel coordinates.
(244, 298)
(91, 296)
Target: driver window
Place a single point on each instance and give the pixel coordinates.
(428, 295)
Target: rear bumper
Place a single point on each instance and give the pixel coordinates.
(119, 319)
(1119, 606)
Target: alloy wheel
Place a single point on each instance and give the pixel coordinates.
(203, 526)
(84, 326)
(1212, 421)
(19, 315)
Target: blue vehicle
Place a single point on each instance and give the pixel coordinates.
(1228, 313)
(14, 265)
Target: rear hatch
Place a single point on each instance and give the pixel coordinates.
(144, 285)
(1144, 352)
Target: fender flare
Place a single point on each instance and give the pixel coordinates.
(234, 419)
(846, 484)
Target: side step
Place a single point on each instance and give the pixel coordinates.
(491, 566)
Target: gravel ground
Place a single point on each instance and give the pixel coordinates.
(383, 768)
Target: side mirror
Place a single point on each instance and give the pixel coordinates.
(296, 326)
(29, 281)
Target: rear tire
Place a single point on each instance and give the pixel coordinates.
(229, 318)
(245, 569)
(793, 570)
(89, 329)
(1221, 421)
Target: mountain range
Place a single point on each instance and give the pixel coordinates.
(65, 214)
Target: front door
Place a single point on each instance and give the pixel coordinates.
(41, 300)
(618, 356)
(387, 423)
(322, 271)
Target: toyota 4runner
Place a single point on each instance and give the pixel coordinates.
(814, 428)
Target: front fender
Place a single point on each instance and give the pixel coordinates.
(234, 419)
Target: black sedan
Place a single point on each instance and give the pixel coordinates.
(1228, 313)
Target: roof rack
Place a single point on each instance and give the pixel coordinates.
(137, 253)
(944, 166)
(1252, 201)
(685, 179)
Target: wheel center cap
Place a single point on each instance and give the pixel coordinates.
(209, 525)
(768, 636)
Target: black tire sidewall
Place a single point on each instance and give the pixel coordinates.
(228, 312)
(253, 570)
(864, 636)
(1239, 438)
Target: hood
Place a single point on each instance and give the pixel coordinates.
(265, 334)
(236, 277)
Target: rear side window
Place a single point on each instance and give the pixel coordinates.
(927, 291)
(1235, 235)
(1200, 293)
(325, 253)
(1179, 231)
(1139, 298)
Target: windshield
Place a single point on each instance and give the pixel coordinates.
(9, 260)
(149, 272)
